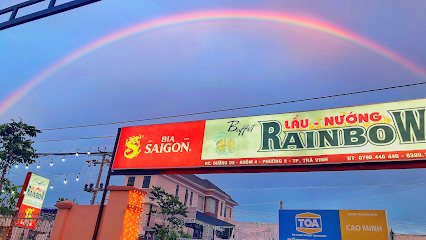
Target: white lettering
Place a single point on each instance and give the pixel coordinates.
(353, 227)
(155, 148)
(167, 147)
(176, 149)
(315, 223)
(148, 148)
(185, 146)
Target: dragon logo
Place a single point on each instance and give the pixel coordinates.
(133, 144)
(29, 213)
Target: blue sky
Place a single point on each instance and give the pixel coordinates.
(215, 65)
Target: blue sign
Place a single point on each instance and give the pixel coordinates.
(309, 225)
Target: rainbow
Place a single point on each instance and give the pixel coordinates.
(207, 16)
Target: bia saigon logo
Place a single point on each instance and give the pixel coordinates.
(133, 146)
(308, 223)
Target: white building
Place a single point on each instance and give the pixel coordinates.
(210, 208)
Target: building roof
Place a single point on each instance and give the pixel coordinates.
(206, 184)
(408, 237)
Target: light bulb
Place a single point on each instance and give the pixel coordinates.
(65, 181)
(16, 166)
(2, 190)
(63, 159)
(51, 163)
(77, 179)
(38, 166)
(88, 153)
(26, 166)
(76, 154)
(13, 192)
(51, 186)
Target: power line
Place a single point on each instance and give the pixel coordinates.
(407, 221)
(239, 108)
(310, 201)
(256, 212)
(250, 204)
(283, 188)
(72, 139)
(249, 215)
(354, 198)
(271, 214)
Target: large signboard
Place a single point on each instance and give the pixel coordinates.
(392, 131)
(32, 200)
(333, 224)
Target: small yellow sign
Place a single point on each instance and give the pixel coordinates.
(363, 224)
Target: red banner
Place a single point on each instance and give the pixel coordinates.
(160, 146)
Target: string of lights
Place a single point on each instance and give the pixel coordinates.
(74, 149)
(240, 108)
(61, 157)
(58, 175)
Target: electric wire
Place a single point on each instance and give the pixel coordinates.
(238, 210)
(338, 200)
(327, 196)
(271, 214)
(239, 108)
(337, 186)
(275, 217)
(73, 139)
(255, 216)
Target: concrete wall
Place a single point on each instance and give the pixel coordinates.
(69, 219)
(78, 221)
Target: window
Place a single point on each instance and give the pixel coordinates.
(131, 181)
(190, 199)
(146, 181)
(200, 203)
(224, 214)
(186, 197)
(177, 191)
(230, 211)
(211, 205)
(221, 208)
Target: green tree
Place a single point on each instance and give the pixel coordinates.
(172, 211)
(15, 147)
(9, 196)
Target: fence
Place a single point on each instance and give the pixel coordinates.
(14, 226)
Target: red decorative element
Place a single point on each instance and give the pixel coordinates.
(30, 214)
(161, 146)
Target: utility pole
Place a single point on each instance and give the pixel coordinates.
(281, 204)
(97, 188)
